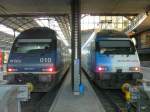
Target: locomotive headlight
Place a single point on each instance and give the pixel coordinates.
(101, 69)
(134, 69)
(49, 69)
(10, 69)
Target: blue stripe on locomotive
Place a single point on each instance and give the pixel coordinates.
(32, 60)
(102, 59)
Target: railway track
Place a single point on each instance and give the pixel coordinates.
(116, 100)
(112, 100)
(41, 102)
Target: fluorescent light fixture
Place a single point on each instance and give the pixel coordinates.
(51, 23)
(8, 30)
(90, 39)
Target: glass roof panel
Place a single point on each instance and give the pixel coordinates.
(53, 24)
(103, 22)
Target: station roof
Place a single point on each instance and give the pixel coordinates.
(12, 26)
(20, 14)
(63, 6)
(145, 25)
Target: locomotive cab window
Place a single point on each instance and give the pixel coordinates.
(33, 45)
(115, 47)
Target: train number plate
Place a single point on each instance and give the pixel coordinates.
(45, 60)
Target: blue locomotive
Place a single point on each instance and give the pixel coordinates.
(37, 57)
(111, 59)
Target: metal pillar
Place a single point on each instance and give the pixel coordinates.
(14, 34)
(76, 46)
(138, 41)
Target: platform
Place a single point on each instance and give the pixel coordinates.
(146, 72)
(65, 101)
(1, 75)
(146, 76)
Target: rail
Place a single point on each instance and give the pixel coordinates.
(114, 100)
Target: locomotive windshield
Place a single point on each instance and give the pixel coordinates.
(115, 47)
(33, 45)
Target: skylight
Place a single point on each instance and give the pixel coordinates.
(8, 30)
(89, 22)
(53, 24)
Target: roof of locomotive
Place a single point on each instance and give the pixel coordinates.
(38, 33)
(111, 34)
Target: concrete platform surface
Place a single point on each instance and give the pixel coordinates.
(146, 73)
(1, 75)
(146, 76)
(65, 101)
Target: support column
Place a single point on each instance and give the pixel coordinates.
(14, 33)
(138, 41)
(76, 46)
